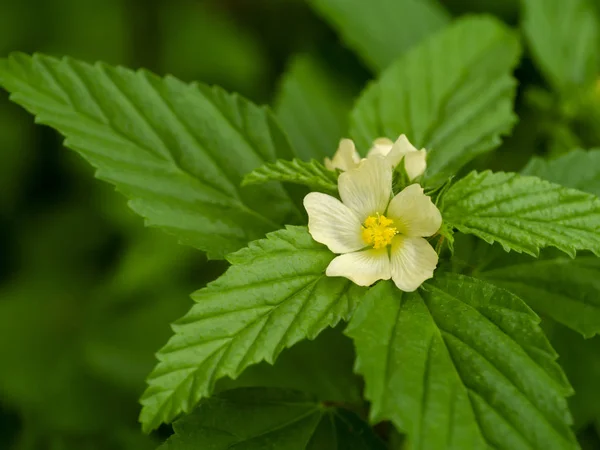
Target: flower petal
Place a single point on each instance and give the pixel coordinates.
(345, 158)
(381, 147)
(403, 145)
(413, 212)
(367, 189)
(363, 268)
(413, 261)
(332, 223)
(399, 149)
(415, 163)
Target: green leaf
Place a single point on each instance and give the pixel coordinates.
(577, 169)
(322, 367)
(523, 213)
(312, 107)
(274, 295)
(177, 151)
(260, 419)
(565, 289)
(312, 174)
(382, 30)
(563, 37)
(452, 95)
(460, 364)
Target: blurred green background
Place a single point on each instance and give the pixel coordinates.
(86, 292)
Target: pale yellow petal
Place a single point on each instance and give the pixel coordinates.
(383, 141)
(413, 261)
(413, 212)
(332, 223)
(367, 189)
(400, 149)
(381, 147)
(403, 145)
(363, 268)
(346, 157)
(415, 163)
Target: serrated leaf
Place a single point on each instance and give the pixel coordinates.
(452, 94)
(312, 174)
(523, 213)
(563, 37)
(274, 295)
(460, 364)
(261, 419)
(177, 151)
(578, 169)
(555, 286)
(312, 107)
(565, 289)
(322, 367)
(382, 30)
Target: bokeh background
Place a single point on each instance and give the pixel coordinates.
(86, 292)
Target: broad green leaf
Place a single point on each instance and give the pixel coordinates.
(264, 419)
(460, 364)
(322, 367)
(312, 174)
(554, 285)
(523, 213)
(452, 94)
(382, 30)
(577, 169)
(565, 289)
(563, 37)
(274, 295)
(177, 151)
(312, 107)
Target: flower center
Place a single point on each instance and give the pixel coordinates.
(378, 231)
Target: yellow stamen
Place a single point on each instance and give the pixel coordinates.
(378, 231)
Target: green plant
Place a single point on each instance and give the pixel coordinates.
(461, 362)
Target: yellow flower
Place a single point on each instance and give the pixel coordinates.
(376, 238)
(414, 160)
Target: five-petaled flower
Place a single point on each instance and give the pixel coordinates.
(346, 157)
(376, 236)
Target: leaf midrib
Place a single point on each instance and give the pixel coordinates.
(501, 372)
(215, 190)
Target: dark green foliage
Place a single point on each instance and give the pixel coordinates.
(498, 350)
